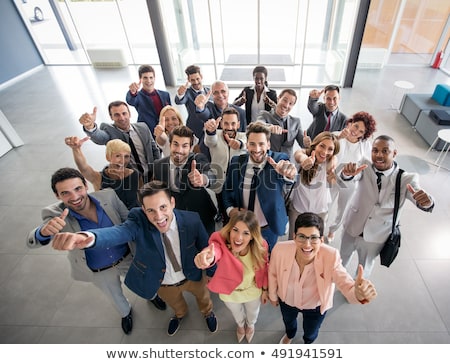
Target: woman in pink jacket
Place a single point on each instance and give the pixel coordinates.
(302, 276)
(241, 255)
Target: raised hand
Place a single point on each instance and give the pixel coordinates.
(205, 258)
(211, 125)
(55, 225)
(201, 100)
(345, 133)
(88, 120)
(350, 169)
(421, 197)
(241, 100)
(134, 87)
(71, 241)
(306, 140)
(277, 129)
(232, 143)
(182, 89)
(270, 102)
(74, 142)
(283, 167)
(364, 289)
(308, 162)
(315, 94)
(161, 127)
(195, 177)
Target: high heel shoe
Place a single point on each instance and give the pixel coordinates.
(240, 333)
(249, 332)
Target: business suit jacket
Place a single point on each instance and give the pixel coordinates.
(193, 121)
(145, 108)
(249, 95)
(190, 198)
(108, 132)
(372, 213)
(148, 267)
(294, 128)
(269, 191)
(114, 208)
(328, 269)
(230, 271)
(317, 109)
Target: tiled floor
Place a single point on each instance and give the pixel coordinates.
(40, 303)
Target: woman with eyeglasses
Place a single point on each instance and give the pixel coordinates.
(303, 274)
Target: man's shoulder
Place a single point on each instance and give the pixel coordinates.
(141, 126)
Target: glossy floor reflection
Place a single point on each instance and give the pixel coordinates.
(40, 303)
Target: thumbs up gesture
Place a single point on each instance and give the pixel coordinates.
(420, 196)
(364, 289)
(88, 120)
(74, 142)
(205, 258)
(134, 87)
(211, 125)
(351, 169)
(201, 100)
(182, 89)
(308, 162)
(55, 225)
(195, 177)
(306, 140)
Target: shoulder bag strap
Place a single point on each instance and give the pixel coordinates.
(397, 197)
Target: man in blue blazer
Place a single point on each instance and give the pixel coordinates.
(147, 101)
(167, 241)
(273, 171)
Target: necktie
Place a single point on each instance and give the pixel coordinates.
(177, 178)
(253, 185)
(379, 174)
(135, 154)
(170, 253)
(327, 127)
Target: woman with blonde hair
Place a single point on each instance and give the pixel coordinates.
(241, 255)
(116, 175)
(169, 119)
(316, 171)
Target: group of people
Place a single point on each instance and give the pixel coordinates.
(153, 214)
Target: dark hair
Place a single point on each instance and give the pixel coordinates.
(152, 188)
(63, 174)
(386, 138)
(230, 111)
(258, 127)
(183, 132)
(145, 68)
(117, 104)
(331, 88)
(309, 219)
(261, 69)
(192, 69)
(367, 119)
(290, 92)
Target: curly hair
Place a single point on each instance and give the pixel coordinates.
(368, 120)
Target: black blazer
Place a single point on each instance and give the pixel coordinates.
(249, 94)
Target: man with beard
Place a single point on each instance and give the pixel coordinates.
(285, 129)
(188, 175)
(78, 210)
(223, 145)
(255, 182)
(368, 219)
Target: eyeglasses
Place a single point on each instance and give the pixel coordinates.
(313, 239)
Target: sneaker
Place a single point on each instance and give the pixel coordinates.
(174, 325)
(211, 322)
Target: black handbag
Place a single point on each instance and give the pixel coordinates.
(392, 244)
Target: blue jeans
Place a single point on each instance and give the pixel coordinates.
(312, 320)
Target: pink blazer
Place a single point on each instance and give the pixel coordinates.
(327, 266)
(229, 272)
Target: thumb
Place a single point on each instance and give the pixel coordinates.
(193, 165)
(226, 137)
(361, 168)
(410, 188)
(85, 139)
(271, 162)
(64, 213)
(218, 120)
(186, 84)
(211, 250)
(94, 111)
(359, 276)
(305, 134)
(208, 95)
(313, 155)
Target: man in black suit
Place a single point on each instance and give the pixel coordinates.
(188, 175)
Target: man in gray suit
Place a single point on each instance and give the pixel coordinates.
(144, 150)
(368, 219)
(76, 211)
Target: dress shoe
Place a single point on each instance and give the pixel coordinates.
(127, 323)
(285, 340)
(159, 303)
(211, 322)
(174, 325)
(240, 333)
(249, 332)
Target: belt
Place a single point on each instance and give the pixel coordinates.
(112, 265)
(180, 283)
(265, 227)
